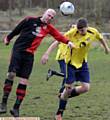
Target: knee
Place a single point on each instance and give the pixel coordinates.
(85, 87)
(66, 92)
(11, 75)
(23, 81)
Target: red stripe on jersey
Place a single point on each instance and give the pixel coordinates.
(36, 42)
(42, 32)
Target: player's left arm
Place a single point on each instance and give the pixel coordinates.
(102, 41)
(59, 37)
(105, 45)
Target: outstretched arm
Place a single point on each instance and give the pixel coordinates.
(45, 56)
(15, 31)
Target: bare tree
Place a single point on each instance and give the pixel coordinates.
(10, 14)
(20, 7)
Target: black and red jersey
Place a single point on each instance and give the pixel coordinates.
(31, 31)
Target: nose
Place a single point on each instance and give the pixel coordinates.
(50, 16)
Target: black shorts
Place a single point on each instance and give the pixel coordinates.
(21, 63)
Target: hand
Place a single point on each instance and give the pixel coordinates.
(6, 41)
(71, 45)
(44, 59)
(107, 51)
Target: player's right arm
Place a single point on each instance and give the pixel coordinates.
(45, 56)
(15, 31)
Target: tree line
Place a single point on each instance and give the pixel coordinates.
(97, 11)
(88, 8)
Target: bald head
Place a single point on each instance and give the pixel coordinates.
(48, 15)
(50, 11)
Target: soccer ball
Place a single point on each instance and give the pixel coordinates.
(67, 8)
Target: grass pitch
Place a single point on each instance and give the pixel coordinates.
(42, 101)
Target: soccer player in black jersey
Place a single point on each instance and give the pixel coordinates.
(31, 31)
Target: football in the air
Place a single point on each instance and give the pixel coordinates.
(67, 8)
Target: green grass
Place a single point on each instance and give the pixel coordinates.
(41, 99)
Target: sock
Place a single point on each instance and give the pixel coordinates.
(20, 92)
(63, 82)
(62, 106)
(73, 93)
(57, 73)
(62, 88)
(7, 89)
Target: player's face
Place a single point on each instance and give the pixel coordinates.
(82, 31)
(47, 17)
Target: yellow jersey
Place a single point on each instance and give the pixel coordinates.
(77, 56)
(61, 51)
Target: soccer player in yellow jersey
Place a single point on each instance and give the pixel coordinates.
(77, 68)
